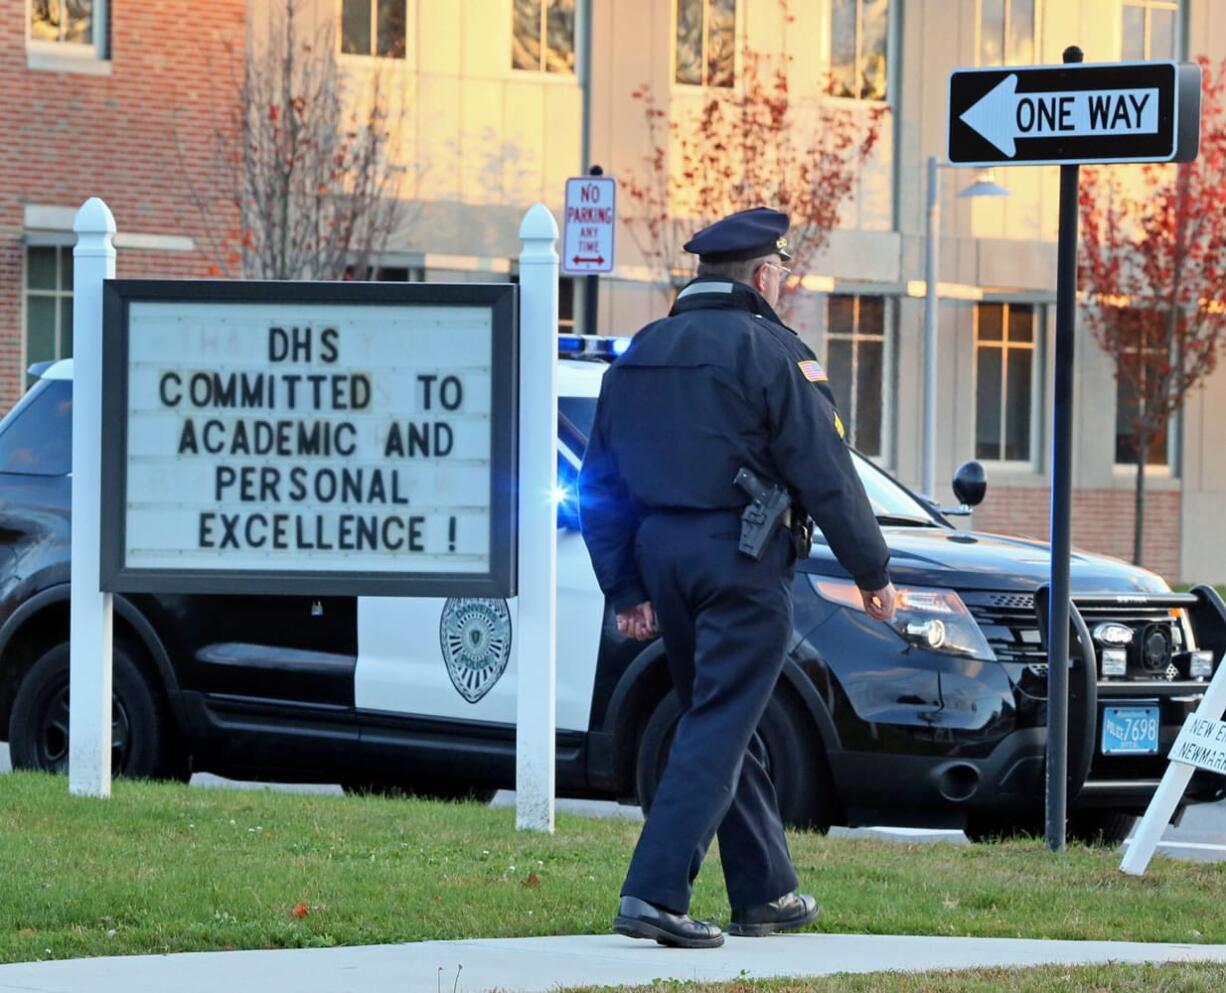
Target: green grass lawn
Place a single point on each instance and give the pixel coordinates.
(163, 868)
(1185, 978)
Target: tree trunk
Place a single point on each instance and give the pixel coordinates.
(1138, 510)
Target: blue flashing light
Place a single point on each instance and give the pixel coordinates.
(620, 345)
(570, 343)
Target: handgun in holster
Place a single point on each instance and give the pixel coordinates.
(767, 509)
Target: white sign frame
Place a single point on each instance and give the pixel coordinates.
(498, 577)
(575, 221)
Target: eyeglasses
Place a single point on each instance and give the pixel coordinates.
(784, 271)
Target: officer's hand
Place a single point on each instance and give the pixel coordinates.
(879, 604)
(639, 622)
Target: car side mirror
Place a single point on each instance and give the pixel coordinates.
(970, 484)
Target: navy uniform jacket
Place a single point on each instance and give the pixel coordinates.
(718, 384)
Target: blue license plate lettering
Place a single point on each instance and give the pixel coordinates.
(1130, 731)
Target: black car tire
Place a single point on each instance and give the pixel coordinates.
(426, 789)
(143, 738)
(797, 761)
(1101, 828)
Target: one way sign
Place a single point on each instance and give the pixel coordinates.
(1074, 113)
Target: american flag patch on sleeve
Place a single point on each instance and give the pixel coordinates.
(812, 371)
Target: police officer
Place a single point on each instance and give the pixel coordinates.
(719, 385)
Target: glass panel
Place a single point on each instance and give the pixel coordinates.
(560, 36)
(867, 428)
(1021, 32)
(838, 368)
(355, 27)
(1017, 414)
(872, 315)
(1161, 35)
(37, 437)
(721, 42)
(65, 351)
(839, 310)
(66, 269)
(843, 48)
(1021, 322)
(45, 19)
(40, 329)
(874, 43)
(884, 493)
(78, 21)
(526, 35)
(391, 28)
(1125, 411)
(566, 305)
(987, 403)
(40, 268)
(991, 318)
(991, 32)
(689, 41)
(1157, 449)
(1133, 46)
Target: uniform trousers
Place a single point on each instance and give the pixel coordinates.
(726, 622)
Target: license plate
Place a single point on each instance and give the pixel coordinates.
(1130, 730)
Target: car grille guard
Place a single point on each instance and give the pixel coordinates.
(1166, 628)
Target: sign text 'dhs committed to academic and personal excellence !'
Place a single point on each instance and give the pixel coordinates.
(308, 438)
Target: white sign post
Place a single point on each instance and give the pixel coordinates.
(89, 707)
(1201, 744)
(538, 536)
(591, 216)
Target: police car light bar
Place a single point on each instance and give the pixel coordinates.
(593, 345)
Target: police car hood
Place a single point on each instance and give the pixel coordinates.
(938, 556)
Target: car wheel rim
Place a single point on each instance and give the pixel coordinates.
(53, 738)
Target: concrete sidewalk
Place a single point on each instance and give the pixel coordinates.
(536, 965)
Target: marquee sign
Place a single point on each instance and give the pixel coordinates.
(315, 438)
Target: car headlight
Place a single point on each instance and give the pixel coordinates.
(928, 617)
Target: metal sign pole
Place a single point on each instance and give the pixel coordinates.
(1061, 484)
(591, 289)
(538, 536)
(89, 652)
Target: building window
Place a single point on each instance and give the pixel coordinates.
(566, 307)
(373, 27)
(1149, 29)
(706, 42)
(48, 303)
(68, 22)
(1005, 383)
(1007, 31)
(1142, 360)
(856, 364)
(859, 44)
(543, 35)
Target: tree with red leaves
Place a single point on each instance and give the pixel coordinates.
(1153, 270)
(748, 146)
(304, 157)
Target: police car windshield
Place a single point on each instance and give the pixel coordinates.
(889, 500)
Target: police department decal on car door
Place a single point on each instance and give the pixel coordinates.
(475, 635)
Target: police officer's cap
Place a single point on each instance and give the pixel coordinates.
(747, 234)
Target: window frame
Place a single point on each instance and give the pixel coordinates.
(58, 294)
(374, 34)
(92, 57)
(1035, 39)
(541, 72)
(738, 24)
(1038, 359)
(888, 370)
(891, 48)
(1148, 6)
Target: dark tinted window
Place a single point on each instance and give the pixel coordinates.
(36, 435)
(575, 417)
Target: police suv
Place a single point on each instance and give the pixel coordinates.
(937, 719)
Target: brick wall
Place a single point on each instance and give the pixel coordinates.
(1102, 521)
(66, 136)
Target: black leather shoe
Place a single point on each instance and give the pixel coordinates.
(789, 912)
(639, 919)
